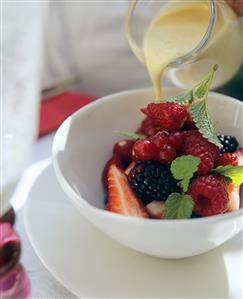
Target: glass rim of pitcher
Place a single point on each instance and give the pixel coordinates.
(200, 46)
(211, 24)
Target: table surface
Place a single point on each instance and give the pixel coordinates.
(44, 285)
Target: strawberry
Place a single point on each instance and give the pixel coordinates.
(189, 123)
(147, 127)
(168, 116)
(113, 160)
(121, 198)
(227, 159)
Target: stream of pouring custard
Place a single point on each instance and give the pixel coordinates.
(172, 33)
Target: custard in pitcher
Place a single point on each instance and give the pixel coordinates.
(193, 32)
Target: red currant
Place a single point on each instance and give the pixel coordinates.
(160, 140)
(167, 155)
(144, 150)
(124, 149)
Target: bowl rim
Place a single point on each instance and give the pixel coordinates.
(77, 199)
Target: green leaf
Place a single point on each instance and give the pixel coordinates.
(183, 169)
(201, 117)
(201, 90)
(234, 173)
(178, 206)
(183, 98)
(199, 109)
(132, 135)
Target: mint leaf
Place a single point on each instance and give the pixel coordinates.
(234, 173)
(183, 169)
(132, 135)
(183, 98)
(201, 117)
(201, 90)
(197, 97)
(178, 206)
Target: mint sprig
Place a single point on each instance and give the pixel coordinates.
(183, 98)
(197, 97)
(202, 119)
(233, 173)
(183, 169)
(199, 109)
(178, 206)
(132, 135)
(199, 91)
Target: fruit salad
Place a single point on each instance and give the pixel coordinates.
(175, 166)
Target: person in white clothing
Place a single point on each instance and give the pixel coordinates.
(87, 38)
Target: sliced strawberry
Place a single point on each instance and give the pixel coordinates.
(155, 209)
(114, 160)
(129, 168)
(121, 198)
(239, 154)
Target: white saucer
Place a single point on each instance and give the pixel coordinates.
(90, 265)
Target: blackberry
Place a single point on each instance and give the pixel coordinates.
(152, 180)
(229, 143)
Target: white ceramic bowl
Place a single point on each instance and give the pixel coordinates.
(84, 142)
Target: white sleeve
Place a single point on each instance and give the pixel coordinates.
(87, 38)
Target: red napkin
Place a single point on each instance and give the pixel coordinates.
(55, 110)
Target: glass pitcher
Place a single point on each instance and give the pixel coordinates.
(21, 59)
(221, 44)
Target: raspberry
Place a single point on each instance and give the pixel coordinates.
(227, 159)
(230, 143)
(194, 136)
(215, 151)
(209, 194)
(196, 145)
(123, 149)
(144, 150)
(152, 180)
(176, 139)
(168, 116)
(167, 155)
